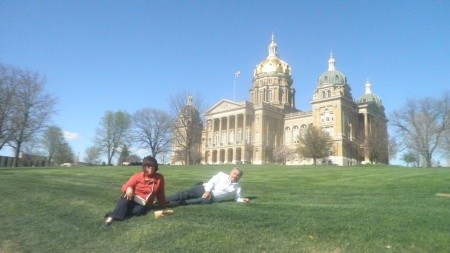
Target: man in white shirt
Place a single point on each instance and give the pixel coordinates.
(221, 187)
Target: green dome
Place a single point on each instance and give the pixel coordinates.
(369, 97)
(332, 76)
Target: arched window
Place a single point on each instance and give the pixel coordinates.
(231, 136)
(216, 138)
(303, 130)
(224, 137)
(329, 93)
(323, 94)
(239, 135)
(296, 136)
(261, 96)
(287, 134)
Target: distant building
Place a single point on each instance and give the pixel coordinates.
(25, 160)
(248, 132)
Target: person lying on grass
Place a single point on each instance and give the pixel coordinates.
(221, 187)
(140, 192)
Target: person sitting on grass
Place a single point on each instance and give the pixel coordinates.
(221, 187)
(139, 193)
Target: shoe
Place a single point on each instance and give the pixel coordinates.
(106, 224)
(106, 215)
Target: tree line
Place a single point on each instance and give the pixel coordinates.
(421, 128)
(26, 111)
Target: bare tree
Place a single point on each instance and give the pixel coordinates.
(446, 145)
(152, 129)
(32, 108)
(8, 84)
(314, 143)
(422, 125)
(92, 156)
(282, 154)
(376, 143)
(187, 127)
(164, 157)
(52, 140)
(393, 148)
(112, 133)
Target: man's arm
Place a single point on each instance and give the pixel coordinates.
(238, 197)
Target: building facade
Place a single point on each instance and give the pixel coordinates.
(249, 132)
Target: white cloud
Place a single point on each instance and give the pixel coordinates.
(141, 151)
(71, 136)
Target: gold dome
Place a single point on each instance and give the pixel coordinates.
(272, 64)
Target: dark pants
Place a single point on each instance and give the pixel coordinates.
(127, 208)
(190, 196)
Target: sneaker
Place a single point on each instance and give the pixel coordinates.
(106, 224)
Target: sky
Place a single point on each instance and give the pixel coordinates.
(99, 56)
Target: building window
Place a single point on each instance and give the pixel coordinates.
(296, 137)
(287, 134)
(323, 94)
(327, 116)
(239, 135)
(247, 135)
(269, 95)
(261, 96)
(329, 131)
(303, 130)
(232, 136)
(329, 93)
(224, 137)
(216, 138)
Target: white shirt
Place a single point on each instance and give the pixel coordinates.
(223, 189)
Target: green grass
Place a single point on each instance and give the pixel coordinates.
(293, 209)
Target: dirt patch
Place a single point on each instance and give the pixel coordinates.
(443, 195)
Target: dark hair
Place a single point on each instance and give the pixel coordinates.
(149, 160)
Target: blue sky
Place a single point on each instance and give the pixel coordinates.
(128, 55)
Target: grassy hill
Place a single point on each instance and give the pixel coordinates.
(293, 209)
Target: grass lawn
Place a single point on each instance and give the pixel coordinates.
(293, 209)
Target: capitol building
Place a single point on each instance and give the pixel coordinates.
(249, 132)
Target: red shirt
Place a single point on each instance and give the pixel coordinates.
(155, 186)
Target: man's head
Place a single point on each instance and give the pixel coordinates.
(236, 174)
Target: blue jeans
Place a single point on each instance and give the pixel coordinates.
(190, 196)
(127, 208)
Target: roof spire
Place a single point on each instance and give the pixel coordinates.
(273, 48)
(189, 99)
(368, 87)
(331, 62)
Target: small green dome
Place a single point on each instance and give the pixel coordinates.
(332, 76)
(369, 97)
